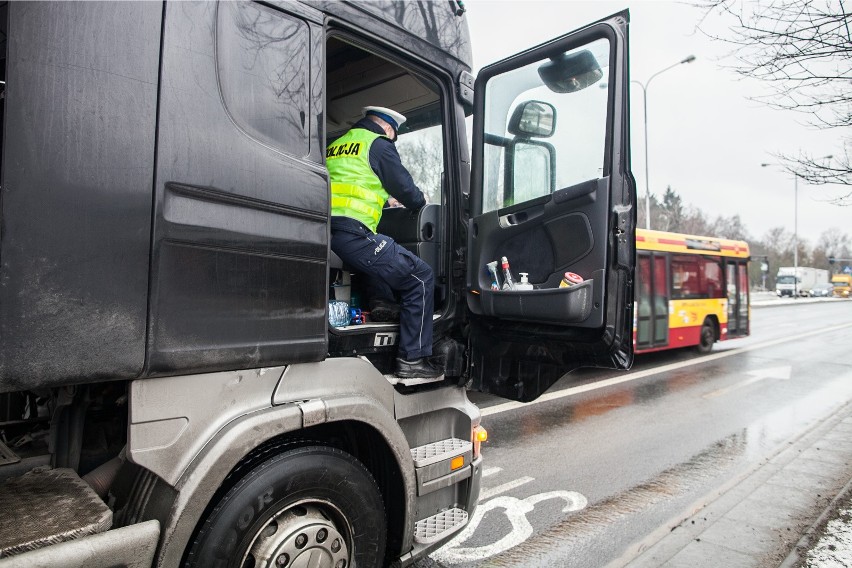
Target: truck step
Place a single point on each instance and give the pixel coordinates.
(439, 451)
(434, 528)
(7, 456)
(414, 381)
(48, 506)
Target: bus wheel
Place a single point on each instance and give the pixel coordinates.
(312, 506)
(707, 337)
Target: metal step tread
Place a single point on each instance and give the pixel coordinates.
(434, 528)
(7, 456)
(413, 381)
(48, 506)
(439, 451)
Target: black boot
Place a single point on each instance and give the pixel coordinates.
(384, 311)
(423, 368)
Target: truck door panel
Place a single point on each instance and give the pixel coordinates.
(78, 161)
(240, 240)
(545, 239)
(551, 190)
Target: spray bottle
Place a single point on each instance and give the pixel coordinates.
(508, 281)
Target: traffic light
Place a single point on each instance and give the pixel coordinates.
(831, 260)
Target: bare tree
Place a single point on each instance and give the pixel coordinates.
(673, 210)
(422, 154)
(803, 50)
(730, 228)
(832, 243)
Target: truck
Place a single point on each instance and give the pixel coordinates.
(842, 284)
(171, 391)
(799, 280)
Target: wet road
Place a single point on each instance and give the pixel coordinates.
(606, 461)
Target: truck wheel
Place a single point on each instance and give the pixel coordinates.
(707, 337)
(312, 506)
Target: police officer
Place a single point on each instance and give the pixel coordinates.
(365, 169)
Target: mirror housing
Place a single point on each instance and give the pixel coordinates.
(532, 172)
(533, 118)
(568, 73)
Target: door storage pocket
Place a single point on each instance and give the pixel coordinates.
(552, 305)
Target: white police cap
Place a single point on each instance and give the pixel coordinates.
(390, 116)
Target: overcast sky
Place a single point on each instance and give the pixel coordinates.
(706, 138)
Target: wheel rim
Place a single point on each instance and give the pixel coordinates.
(299, 536)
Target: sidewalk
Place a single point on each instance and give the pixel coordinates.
(772, 516)
(767, 299)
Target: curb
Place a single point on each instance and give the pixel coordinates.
(799, 302)
(799, 552)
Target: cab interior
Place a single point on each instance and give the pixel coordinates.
(357, 78)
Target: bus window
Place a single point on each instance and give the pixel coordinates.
(652, 315)
(661, 303)
(713, 283)
(742, 315)
(696, 277)
(643, 299)
(684, 277)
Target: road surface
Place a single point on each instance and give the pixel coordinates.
(606, 460)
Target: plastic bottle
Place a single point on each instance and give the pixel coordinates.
(338, 313)
(570, 279)
(524, 284)
(508, 281)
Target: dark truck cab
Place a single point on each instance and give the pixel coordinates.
(165, 270)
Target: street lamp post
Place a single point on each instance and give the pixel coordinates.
(796, 228)
(644, 86)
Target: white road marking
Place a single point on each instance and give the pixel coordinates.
(516, 511)
(547, 397)
(489, 493)
(491, 471)
(782, 373)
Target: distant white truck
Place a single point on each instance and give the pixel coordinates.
(801, 280)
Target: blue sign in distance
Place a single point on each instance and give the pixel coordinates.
(847, 269)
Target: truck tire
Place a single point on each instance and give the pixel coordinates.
(706, 337)
(314, 506)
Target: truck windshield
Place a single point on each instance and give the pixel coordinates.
(422, 152)
(786, 280)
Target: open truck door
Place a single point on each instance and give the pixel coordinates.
(552, 191)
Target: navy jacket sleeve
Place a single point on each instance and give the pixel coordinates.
(385, 161)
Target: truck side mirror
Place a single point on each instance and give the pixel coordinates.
(533, 118)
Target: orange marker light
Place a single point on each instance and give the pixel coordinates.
(457, 462)
(479, 435)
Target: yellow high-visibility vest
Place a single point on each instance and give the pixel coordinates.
(356, 190)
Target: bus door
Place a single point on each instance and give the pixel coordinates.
(652, 327)
(736, 274)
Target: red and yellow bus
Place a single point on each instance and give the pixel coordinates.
(690, 290)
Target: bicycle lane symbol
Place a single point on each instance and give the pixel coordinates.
(516, 511)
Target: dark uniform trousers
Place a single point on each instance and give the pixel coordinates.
(390, 268)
